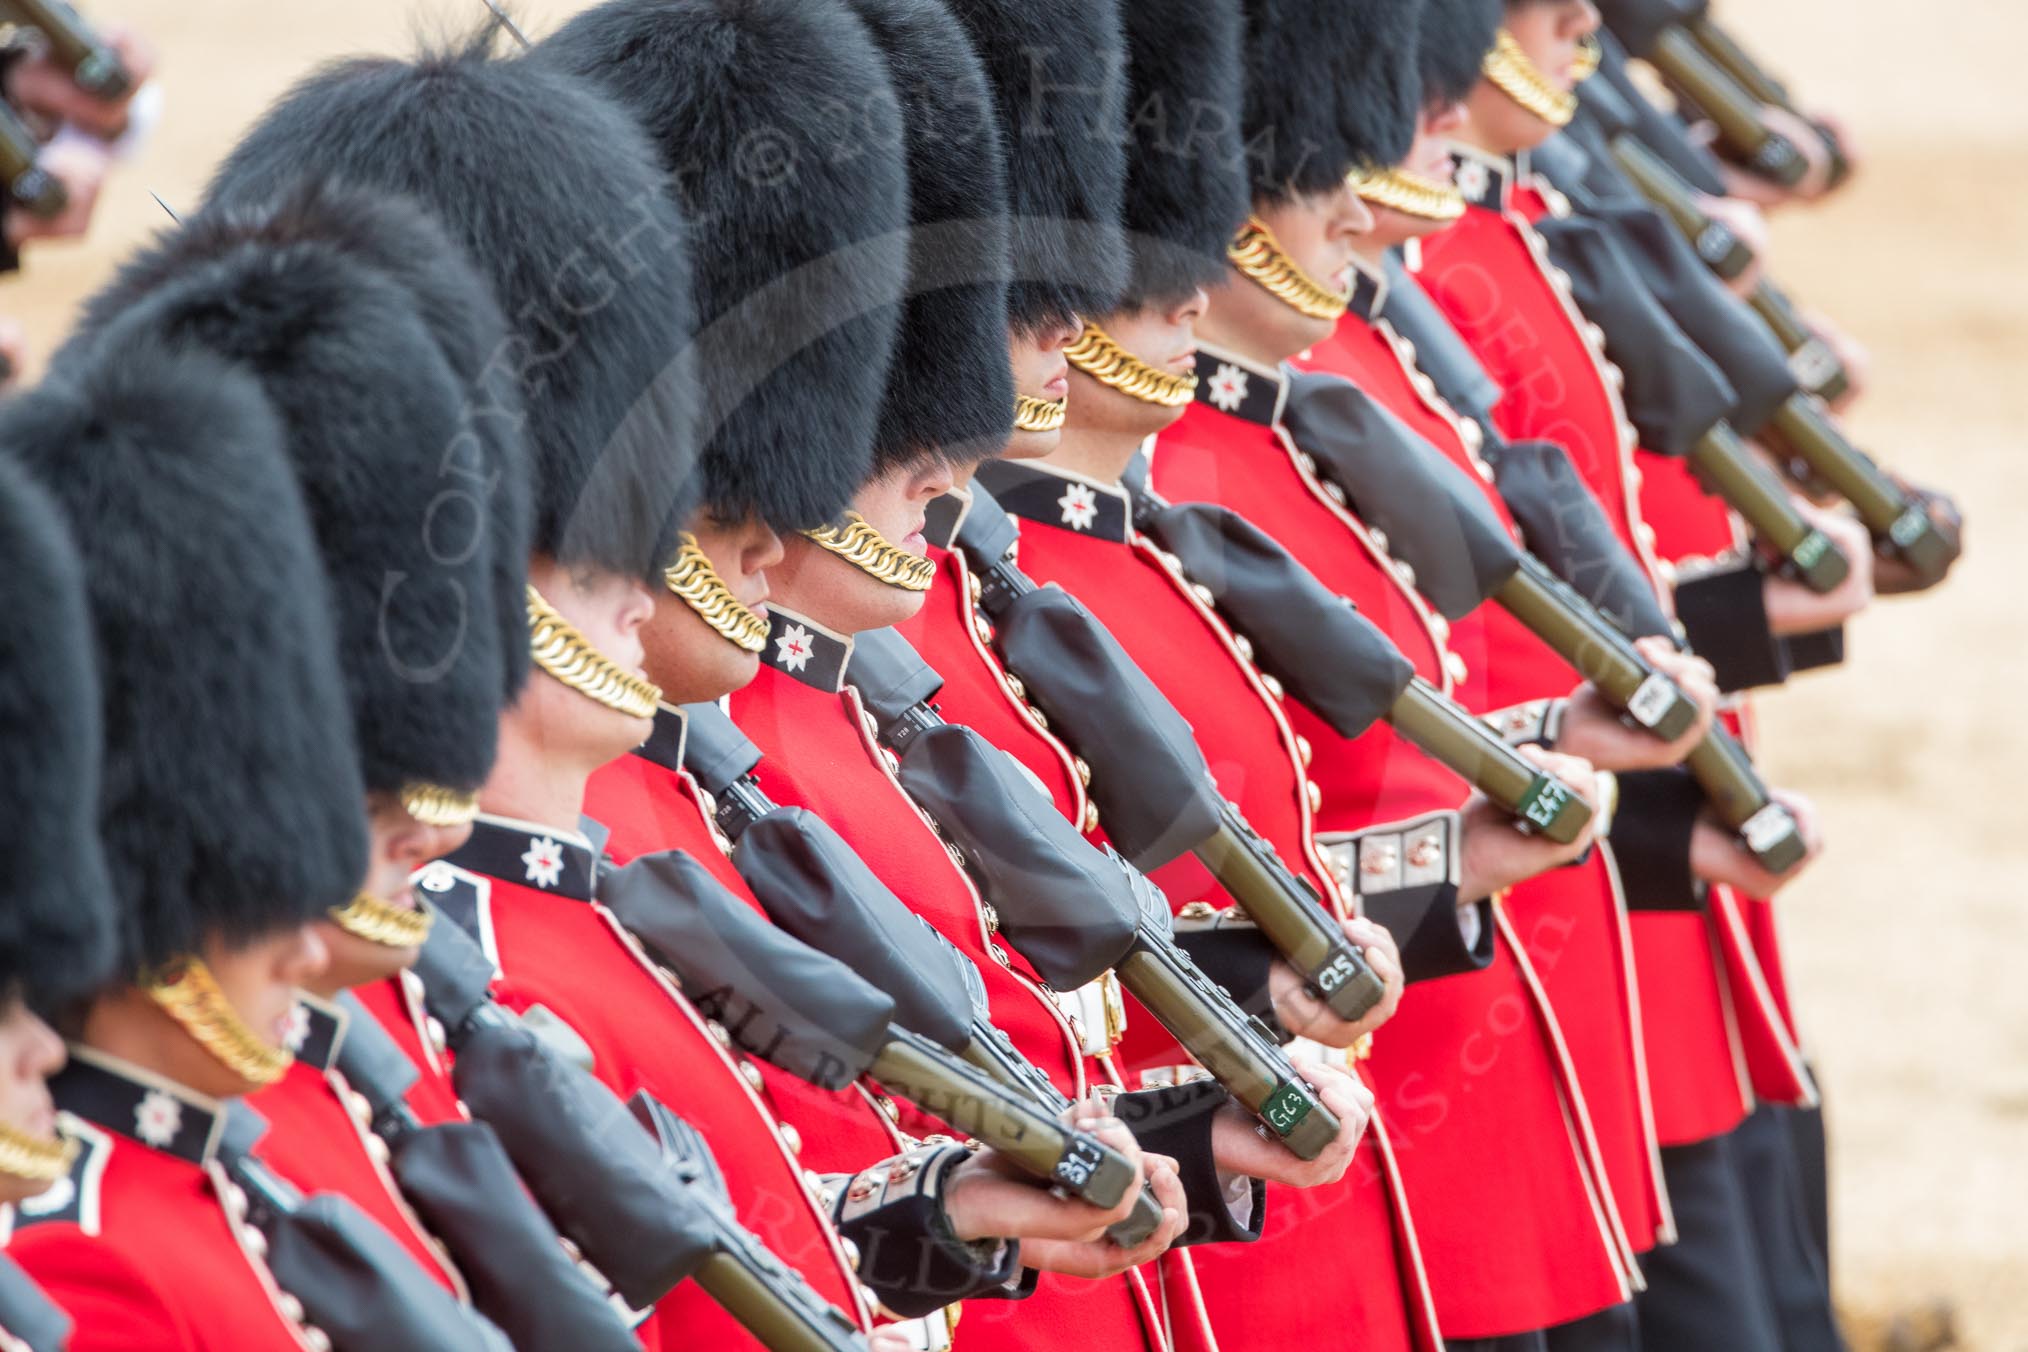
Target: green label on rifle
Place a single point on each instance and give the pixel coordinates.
(1810, 549)
(1908, 527)
(1286, 1108)
(1543, 802)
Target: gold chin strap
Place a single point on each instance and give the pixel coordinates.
(569, 656)
(1521, 80)
(1098, 356)
(39, 1159)
(1409, 193)
(1589, 54)
(1258, 254)
(1039, 415)
(435, 805)
(866, 549)
(193, 999)
(698, 585)
(369, 918)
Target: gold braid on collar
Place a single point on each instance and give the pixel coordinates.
(39, 1159)
(1039, 415)
(1409, 193)
(569, 656)
(1098, 356)
(191, 997)
(698, 585)
(1521, 80)
(1589, 54)
(1258, 254)
(368, 917)
(435, 805)
(866, 549)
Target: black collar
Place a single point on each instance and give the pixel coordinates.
(558, 862)
(664, 746)
(1240, 388)
(139, 1105)
(806, 651)
(1369, 290)
(1063, 498)
(316, 1031)
(1486, 180)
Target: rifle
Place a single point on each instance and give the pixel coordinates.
(1075, 911)
(29, 185)
(1754, 78)
(76, 46)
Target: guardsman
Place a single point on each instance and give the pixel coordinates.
(56, 925)
(230, 807)
(805, 721)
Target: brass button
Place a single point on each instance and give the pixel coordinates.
(1014, 684)
(1083, 769)
(1455, 665)
(1406, 573)
(792, 1138)
(438, 1042)
(1333, 492)
(1304, 751)
(751, 1073)
(982, 627)
(1041, 719)
(975, 587)
(991, 917)
(1274, 687)
(850, 1250)
(1307, 461)
(315, 1338)
(1091, 817)
(1379, 538)
(291, 1308)
(1315, 793)
(1203, 593)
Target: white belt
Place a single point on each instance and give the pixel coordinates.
(1097, 1013)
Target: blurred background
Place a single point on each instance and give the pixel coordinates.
(1902, 941)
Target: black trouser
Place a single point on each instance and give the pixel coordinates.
(1773, 1178)
(1617, 1329)
(1806, 1133)
(1707, 1291)
(1512, 1342)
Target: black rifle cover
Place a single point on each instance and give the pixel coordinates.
(1638, 23)
(35, 1320)
(890, 675)
(1062, 903)
(1567, 529)
(1332, 659)
(1440, 350)
(781, 1000)
(1436, 520)
(715, 751)
(1151, 782)
(457, 975)
(1657, 130)
(818, 889)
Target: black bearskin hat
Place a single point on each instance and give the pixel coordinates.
(478, 466)
(1456, 35)
(1380, 83)
(230, 802)
(951, 389)
(56, 925)
(372, 413)
(1056, 71)
(1186, 159)
(1297, 140)
(781, 140)
(557, 200)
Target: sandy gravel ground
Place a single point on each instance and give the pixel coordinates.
(1906, 940)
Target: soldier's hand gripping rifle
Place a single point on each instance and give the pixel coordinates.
(1439, 523)
(815, 1018)
(28, 185)
(1075, 911)
(357, 1285)
(75, 45)
(1653, 30)
(817, 889)
(641, 1206)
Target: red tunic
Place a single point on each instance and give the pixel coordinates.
(1491, 275)
(396, 1004)
(316, 1142)
(1564, 1208)
(1373, 1233)
(138, 1246)
(559, 949)
(818, 754)
(1572, 921)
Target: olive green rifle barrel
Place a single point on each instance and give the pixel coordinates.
(1291, 917)
(1253, 1070)
(93, 65)
(1751, 76)
(1767, 829)
(34, 188)
(1900, 525)
(1754, 491)
(1600, 653)
(1541, 803)
(1010, 1122)
(734, 1285)
(1715, 242)
(1816, 366)
(1742, 133)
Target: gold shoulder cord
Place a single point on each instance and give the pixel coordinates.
(698, 585)
(1039, 415)
(37, 1159)
(866, 549)
(1098, 356)
(1514, 75)
(1409, 193)
(1258, 254)
(435, 805)
(193, 999)
(369, 918)
(569, 656)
